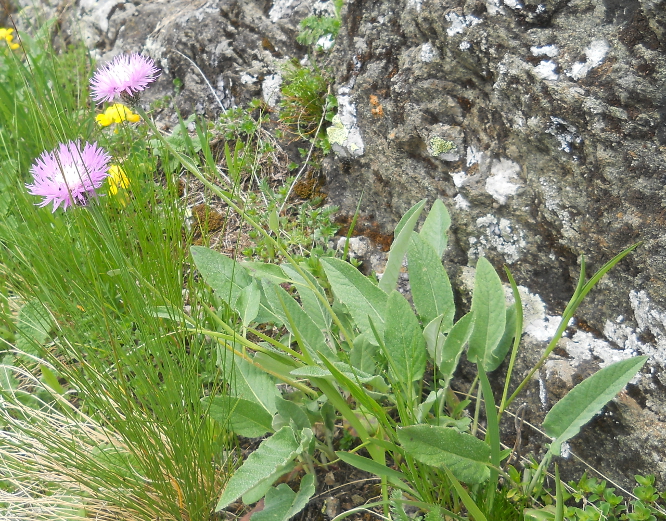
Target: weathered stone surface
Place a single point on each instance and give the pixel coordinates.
(557, 112)
(542, 125)
(222, 53)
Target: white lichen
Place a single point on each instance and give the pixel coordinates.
(458, 178)
(326, 42)
(279, 10)
(500, 184)
(345, 135)
(501, 236)
(594, 54)
(473, 156)
(546, 70)
(270, 89)
(428, 52)
(247, 79)
(459, 23)
(547, 50)
(461, 202)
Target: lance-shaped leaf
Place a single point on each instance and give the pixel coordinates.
(489, 307)
(311, 302)
(226, 276)
(272, 458)
(454, 345)
(362, 298)
(405, 345)
(402, 234)
(435, 228)
(431, 289)
(585, 400)
(282, 503)
(495, 358)
(296, 320)
(249, 382)
(245, 418)
(466, 456)
(248, 302)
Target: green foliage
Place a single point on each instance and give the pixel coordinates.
(314, 28)
(307, 103)
(373, 345)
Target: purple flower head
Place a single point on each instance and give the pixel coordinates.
(68, 175)
(125, 76)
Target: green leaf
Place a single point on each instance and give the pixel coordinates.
(316, 309)
(226, 276)
(435, 227)
(454, 345)
(585, 400)
(405, 345)
(248, 303)
(403, 233)
(288, 410)
(263, 270)
(363, 355)
(362, 298)
(371, 466)
(465, 455)
(489, 307)
(34, 325)
(50, 379)
(282, 503)
(271, 459)
(252, 383)
(274, 221)
(418, 207)
(431, 289)
(497, 355)
(244, 417)
(297, 320)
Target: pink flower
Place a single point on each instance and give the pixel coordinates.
(125, 76)
(68, 175)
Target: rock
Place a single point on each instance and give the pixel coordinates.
(220, 53)
(550, 122)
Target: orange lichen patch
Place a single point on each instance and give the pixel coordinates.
(376, 109)
(365, 228)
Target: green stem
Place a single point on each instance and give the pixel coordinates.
(492, 437)
(516, 340)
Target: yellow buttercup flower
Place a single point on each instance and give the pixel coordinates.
(6, 34)
(115, 114)
(117, 178)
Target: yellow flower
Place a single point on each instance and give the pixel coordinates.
(117, 178)
(119, 112)
(6, 34)
(115, 114)
(103, 120)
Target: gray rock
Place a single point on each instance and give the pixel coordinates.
(557, 113)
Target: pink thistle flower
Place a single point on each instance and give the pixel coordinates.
(125, 76)
(68, 175)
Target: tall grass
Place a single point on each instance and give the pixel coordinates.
(101, 403)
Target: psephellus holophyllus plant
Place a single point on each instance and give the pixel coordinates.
(125, 76)
(69, 174)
